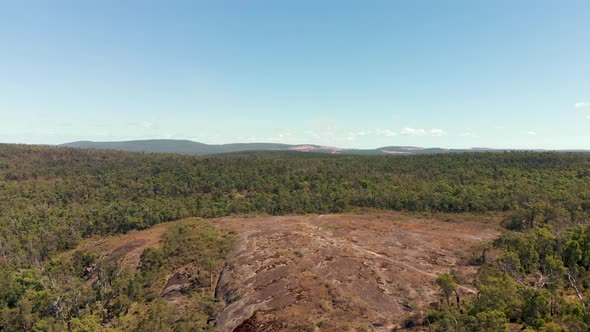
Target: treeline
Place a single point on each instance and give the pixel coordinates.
(50, 198)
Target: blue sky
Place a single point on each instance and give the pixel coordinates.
(504, 74)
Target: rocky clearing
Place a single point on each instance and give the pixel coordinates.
(344, 272)
(339, 272)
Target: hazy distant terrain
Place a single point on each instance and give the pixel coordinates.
(196, 148)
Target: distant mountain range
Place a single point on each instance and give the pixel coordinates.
(195, 148)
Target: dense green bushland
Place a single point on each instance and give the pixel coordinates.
(51, 198)
(538, 280)
(62, 195)
(86, 292)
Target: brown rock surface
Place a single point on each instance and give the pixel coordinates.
(339, 272)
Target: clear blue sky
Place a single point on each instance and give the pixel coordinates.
(512, 74)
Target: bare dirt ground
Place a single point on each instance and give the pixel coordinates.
(340, 272)
(130, 246)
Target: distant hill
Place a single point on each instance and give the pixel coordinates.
(196, 148)
(175, 146)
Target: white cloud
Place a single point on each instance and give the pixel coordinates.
(350, 138)
(353, 135)
(437, 132)
(582, 104)
(422, 132)
(469, 134)
(385, 132)
(532, 133)
(413, 132)
(285, 136)
(588, 117)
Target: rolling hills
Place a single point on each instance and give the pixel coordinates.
(188, 147)
(195, 148)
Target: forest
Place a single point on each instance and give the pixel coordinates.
(537, 280)
(536, 275)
